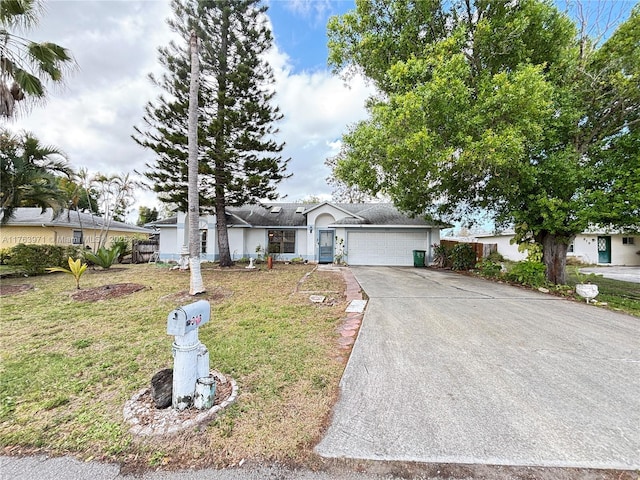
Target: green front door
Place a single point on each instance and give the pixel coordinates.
(604, 249)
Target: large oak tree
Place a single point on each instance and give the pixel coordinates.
(497, 106)
(239, 158)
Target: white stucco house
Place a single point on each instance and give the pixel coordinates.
(358, 234)
(594, 246)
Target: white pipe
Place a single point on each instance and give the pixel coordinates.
(185, 358)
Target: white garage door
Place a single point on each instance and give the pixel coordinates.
(385, 248)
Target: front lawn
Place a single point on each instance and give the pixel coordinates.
(618, 295)
(67, 366)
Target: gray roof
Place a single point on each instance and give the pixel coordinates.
(34, 216)
(295, 215)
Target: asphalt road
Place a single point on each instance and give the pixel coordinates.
(452, 368)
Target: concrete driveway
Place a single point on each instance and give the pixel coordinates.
(451, 368)
(625, 274)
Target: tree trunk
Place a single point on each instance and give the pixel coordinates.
(554, 256)
(196, 285)
(219, 170)
(223, 235)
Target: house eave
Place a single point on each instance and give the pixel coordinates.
(343, 210)
(369, 226)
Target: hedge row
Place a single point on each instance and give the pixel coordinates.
(35, 259)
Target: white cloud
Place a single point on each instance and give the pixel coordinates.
(316, 10)
(115, 46)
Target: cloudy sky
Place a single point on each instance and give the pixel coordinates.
(114, 44)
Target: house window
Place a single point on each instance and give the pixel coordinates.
(203, 241)
(627, 240)
(571, 248)
(282, 241)
(77, 237)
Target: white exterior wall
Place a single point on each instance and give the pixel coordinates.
(172, 239)
(302, 243)
(167, 243)
(625, 254)
(435, 237)
(507, 249)
(252, 238)
(237, 246)
(585, 248)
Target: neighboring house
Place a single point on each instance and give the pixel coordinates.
(358, 234)
(593, 246)
(32, 226)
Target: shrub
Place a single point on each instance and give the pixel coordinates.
(5, 256)
(441, 255)
(104, 257)
(124, 244)
(574, 261)
(35, 259)
(463, 257)
(529, 272)
(489, 268)
(495, 257)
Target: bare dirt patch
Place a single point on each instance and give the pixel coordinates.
(215, 294)
(106, 292)
(14, 289)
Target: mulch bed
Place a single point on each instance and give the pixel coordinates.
(106, 292)
(14, 289)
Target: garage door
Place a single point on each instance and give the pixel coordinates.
(385, 248)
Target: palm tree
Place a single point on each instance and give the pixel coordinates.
(196, 285)
(25, 66)
(30, 173)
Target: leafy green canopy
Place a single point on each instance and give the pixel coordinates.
(495, 105)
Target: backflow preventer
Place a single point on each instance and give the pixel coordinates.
(192, 383)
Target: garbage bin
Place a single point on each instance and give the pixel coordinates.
(418, 258)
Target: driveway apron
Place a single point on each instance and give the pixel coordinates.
(455, 369)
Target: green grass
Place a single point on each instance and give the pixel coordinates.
(622, 296)
(67, 367)
(618, 295)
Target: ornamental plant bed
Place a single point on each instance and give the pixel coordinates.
(70, 366)
(613, 294)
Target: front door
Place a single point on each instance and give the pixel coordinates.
(325, 251)
(604, 249)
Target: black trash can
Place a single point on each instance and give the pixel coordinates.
(418, 258)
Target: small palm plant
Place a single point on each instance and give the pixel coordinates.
(76, 268)
(104, 257)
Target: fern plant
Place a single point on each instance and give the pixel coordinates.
(76, 268)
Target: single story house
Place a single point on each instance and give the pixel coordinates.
(357, 234)
(594, 246)
(30, 225)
